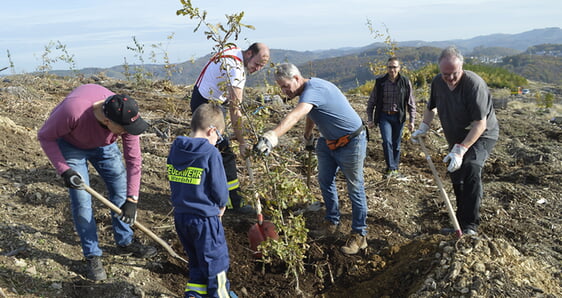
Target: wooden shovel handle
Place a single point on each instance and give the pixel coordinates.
(442, 191)
(137, 224)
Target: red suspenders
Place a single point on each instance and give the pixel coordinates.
(215, 58)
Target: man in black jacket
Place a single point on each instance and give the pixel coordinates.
(391, 98)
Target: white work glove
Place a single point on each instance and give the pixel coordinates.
(421, 132)
(455, 157)
(266, 143)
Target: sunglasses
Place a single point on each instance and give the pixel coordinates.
(219, 136)
(393, 66)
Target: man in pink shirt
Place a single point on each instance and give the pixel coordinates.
(84, 128)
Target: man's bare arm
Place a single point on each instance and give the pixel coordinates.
(235, 109)
(292, 118)
(476, 130)
(308, 128)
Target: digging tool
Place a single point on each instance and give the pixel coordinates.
(260, 231)
(308, 168)
(263, 229)
(310, 149)
(441, 189)
(249, 169)
(137, 224)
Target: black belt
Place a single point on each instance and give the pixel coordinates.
(357, 132)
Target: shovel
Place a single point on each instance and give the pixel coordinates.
(308, 168)
(260, 231)
(137, 224)
(441, 189)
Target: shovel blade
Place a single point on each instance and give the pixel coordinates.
(259, 233)
(269, 230)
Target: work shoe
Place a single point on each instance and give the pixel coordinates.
(354, 244)
(327, 229)
(400, 177)
(95, 268)
(139, 250)
(390, 173)
(395, 174)
(469, 232)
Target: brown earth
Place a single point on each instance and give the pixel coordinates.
(516, 254)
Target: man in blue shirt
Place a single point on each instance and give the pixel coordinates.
(341, 146)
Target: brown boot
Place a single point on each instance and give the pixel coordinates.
(327, 229)
(354, 244)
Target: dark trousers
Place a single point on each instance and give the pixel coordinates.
(228, 157)
(204, 242)
(467, 183)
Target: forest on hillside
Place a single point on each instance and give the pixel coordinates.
(352, 71)
(541, 63)
(547, 69)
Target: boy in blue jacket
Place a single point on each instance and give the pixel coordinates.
(199, 194)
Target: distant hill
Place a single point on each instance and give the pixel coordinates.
(492, 52)
(519, 41)
(542, 68)
(348, 67)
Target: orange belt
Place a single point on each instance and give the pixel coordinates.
(343, 141)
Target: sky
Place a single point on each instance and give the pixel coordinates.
(97, 33)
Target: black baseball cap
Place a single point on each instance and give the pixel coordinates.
(124, 111)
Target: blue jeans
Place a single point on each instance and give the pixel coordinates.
(391, 133)
(108, 163)
(349, 160)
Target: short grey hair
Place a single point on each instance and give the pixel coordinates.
(286, 71)
(450, 52)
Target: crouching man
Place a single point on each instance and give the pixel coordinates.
(84, 128)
